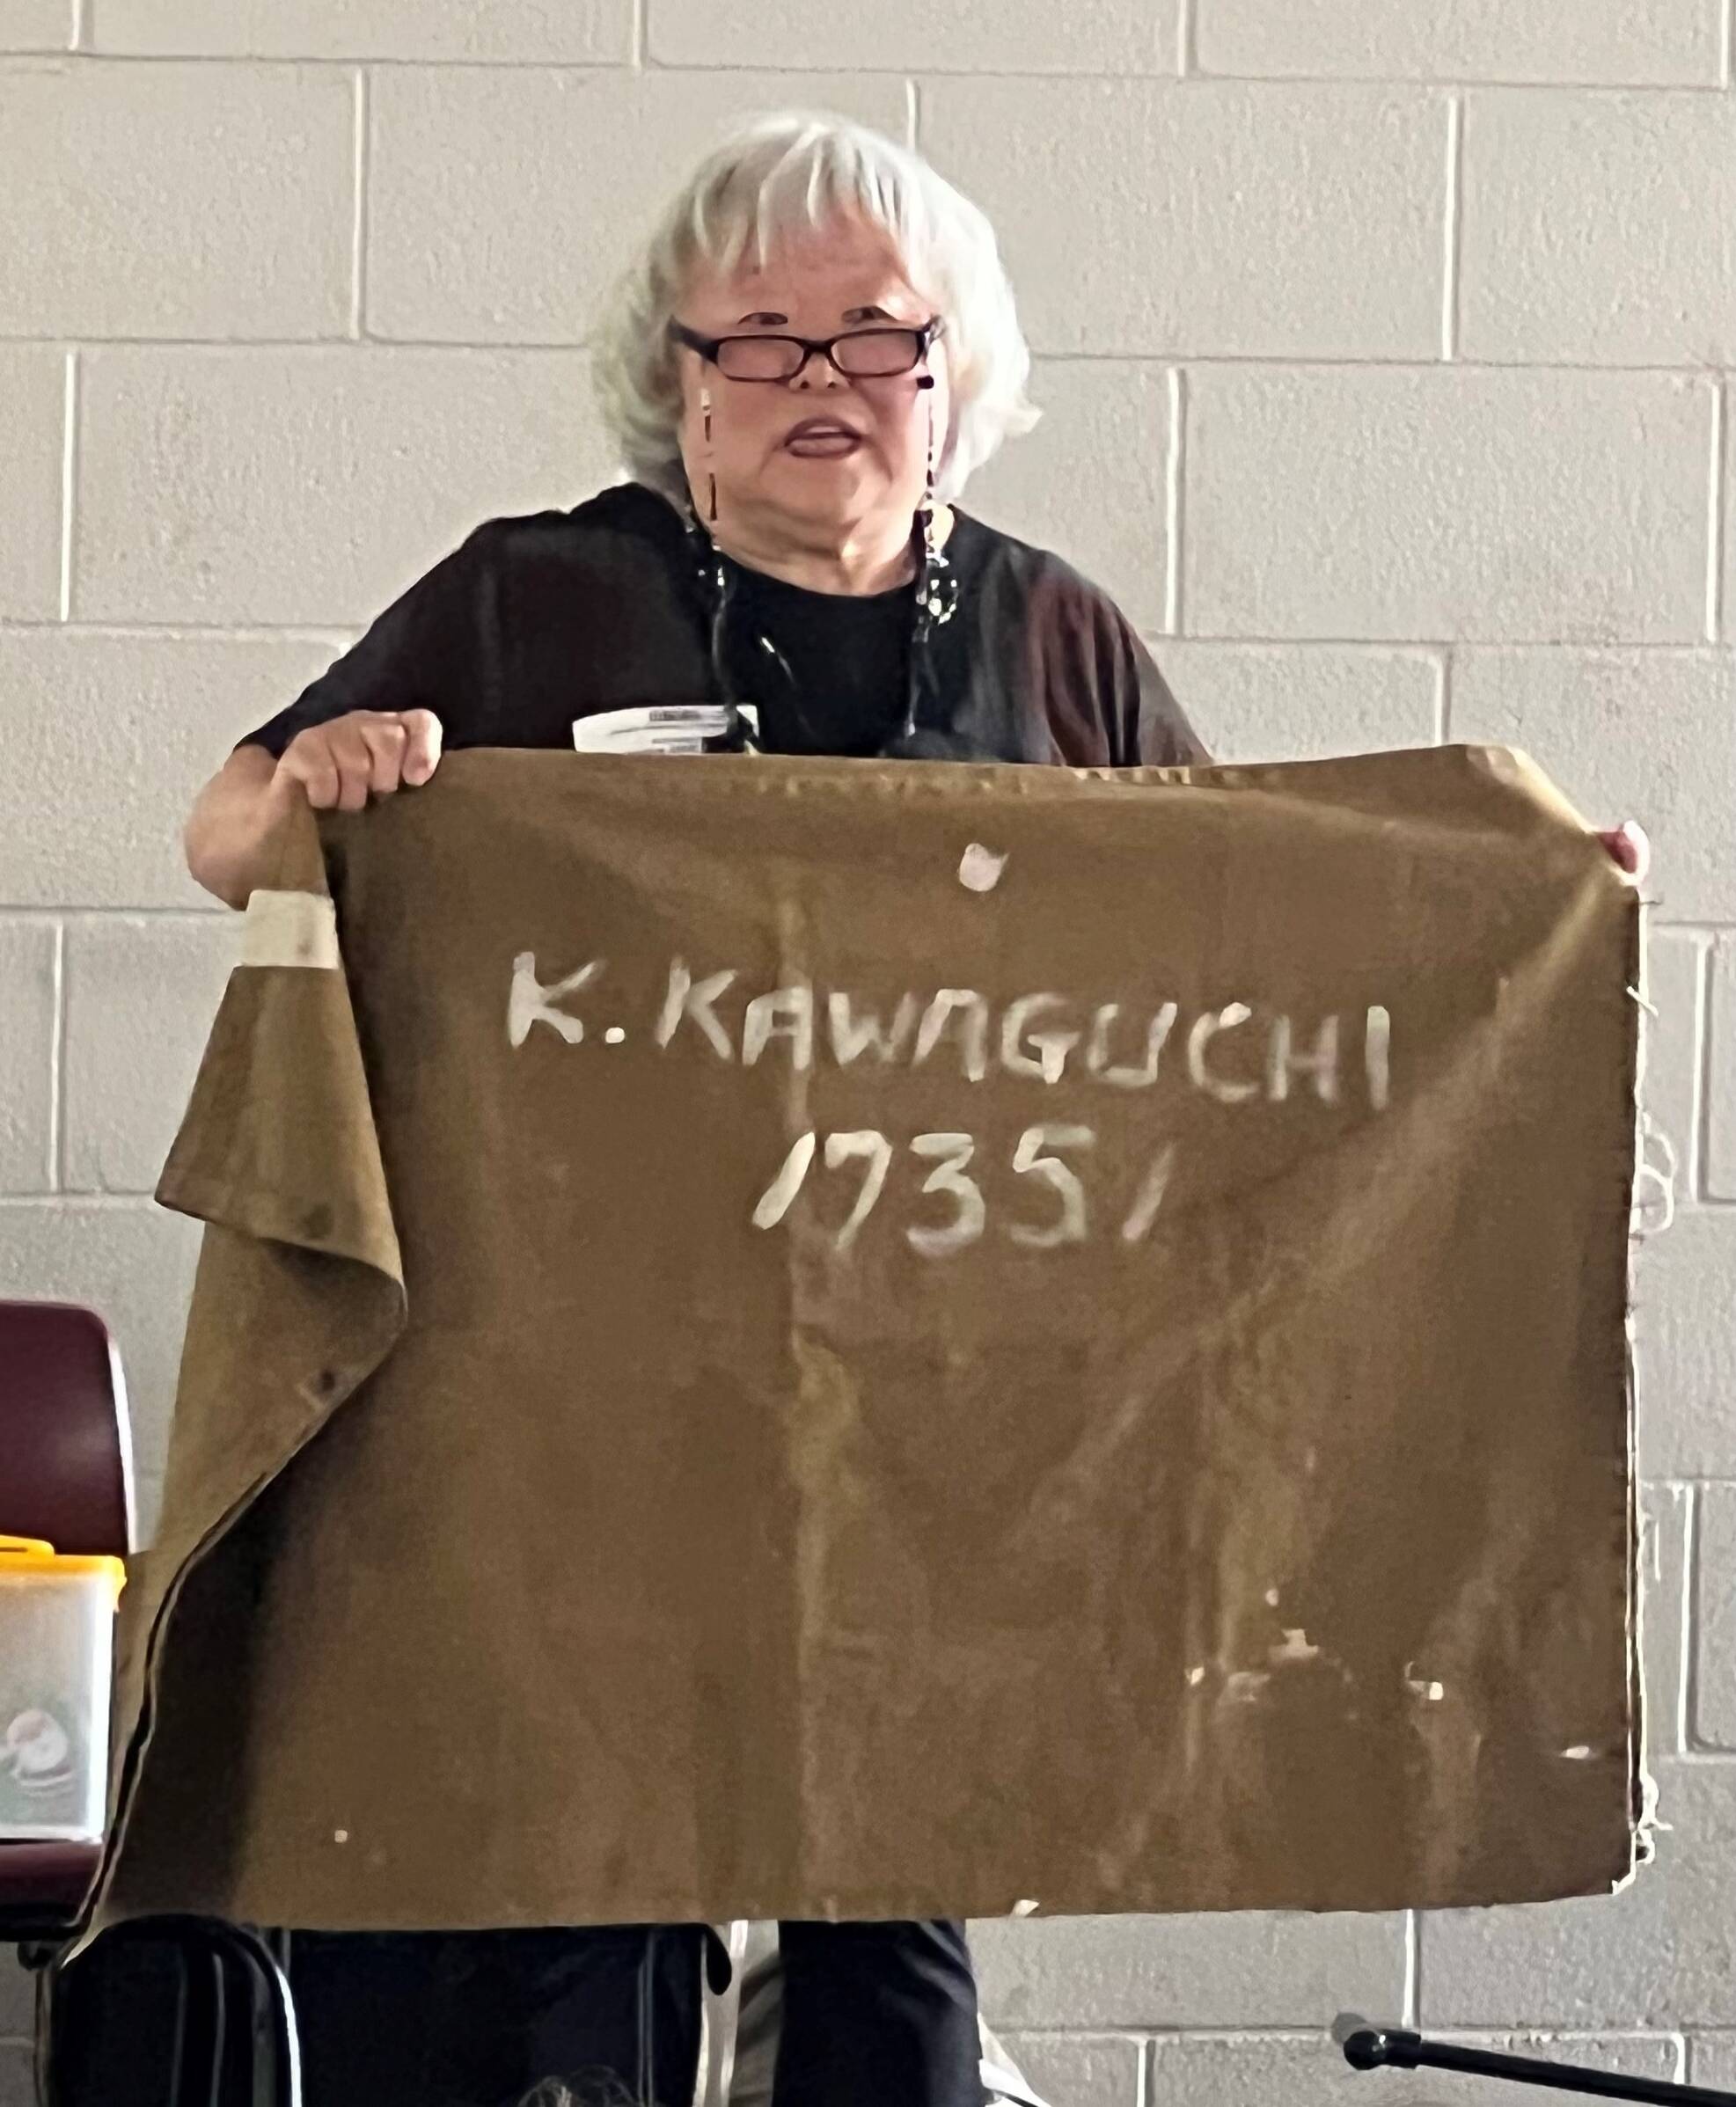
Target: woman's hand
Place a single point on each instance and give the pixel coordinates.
(1628, 844)
(340, 764)
(335, 767)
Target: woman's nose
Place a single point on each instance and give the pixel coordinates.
(830, 377)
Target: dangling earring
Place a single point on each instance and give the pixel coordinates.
(928, 489)
(937, 588)
(711, 477)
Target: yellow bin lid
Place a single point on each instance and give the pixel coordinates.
(22, 1556)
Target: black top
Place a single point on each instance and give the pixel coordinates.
(533, 622)
(847, 656)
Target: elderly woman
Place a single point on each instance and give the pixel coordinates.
(815, 349)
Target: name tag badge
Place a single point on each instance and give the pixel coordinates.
(677, 727)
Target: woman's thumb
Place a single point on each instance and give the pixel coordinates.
(422, 754)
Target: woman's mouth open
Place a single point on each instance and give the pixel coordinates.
(822, 439)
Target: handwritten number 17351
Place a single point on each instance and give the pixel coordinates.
(1040, 1157)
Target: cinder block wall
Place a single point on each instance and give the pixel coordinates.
(1387, 351)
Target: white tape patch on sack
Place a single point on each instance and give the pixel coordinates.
(290, 929)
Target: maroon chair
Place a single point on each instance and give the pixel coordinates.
(65, 1476)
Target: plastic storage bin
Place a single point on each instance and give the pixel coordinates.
(57, 1669)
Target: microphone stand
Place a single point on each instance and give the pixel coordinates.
(1373, 2048)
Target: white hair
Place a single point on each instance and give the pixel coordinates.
(784, 174)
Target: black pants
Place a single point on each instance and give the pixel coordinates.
(873, 2015)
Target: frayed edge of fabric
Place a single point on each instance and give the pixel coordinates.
(1651, 1213)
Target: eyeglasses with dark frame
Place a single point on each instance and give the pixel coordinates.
(878, 354)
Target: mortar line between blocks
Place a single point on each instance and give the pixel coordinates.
(179, 632)
(358, 275)
(73, 1202)
(1160, 75)
(1727, 56)
(1573, 2031)
(1452, 258)
(1443, 697)
(57, 1065)
(69, 478)
(1144, 2077)
(1300, 641)
(1275, 362)
(1510, 84)
(1723, 937)
(1701, 933)
(1413, 1967)
(24, 911)
(1699, 1151)
(1187, 40)
(1717, 510)
(1688, 1704)
(340, 635)
(80, 24)
(1175, 482)
(637, 45)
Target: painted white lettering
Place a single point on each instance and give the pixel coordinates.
(1048, 1051)
(855, 1032)
(951, 1153)
(1150, 1198)
(874, 1150)
(774, 1202)
(531, 1003)
(1097, 1052)
(787, 1014)
(1205, 1029)
(1322, 1064)
(1377, 1056)
(1030, 1159)
(686, 998)
(973, 1014)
